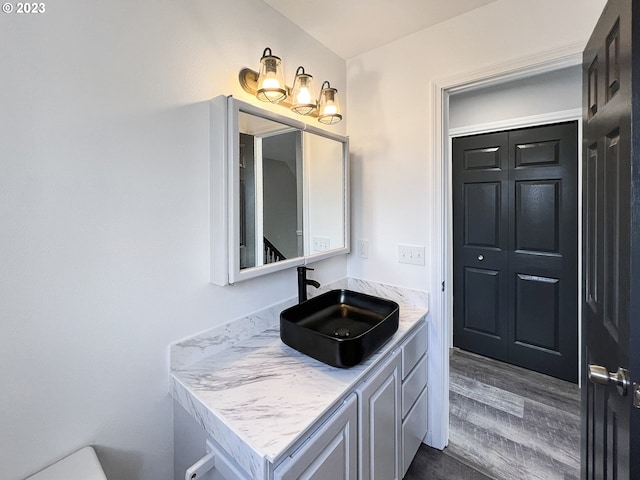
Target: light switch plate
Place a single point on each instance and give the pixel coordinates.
(411, 254)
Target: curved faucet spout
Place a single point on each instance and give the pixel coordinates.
(303, 281)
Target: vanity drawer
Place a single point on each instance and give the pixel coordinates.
(413, 349)
(413, 385)
(414, 428)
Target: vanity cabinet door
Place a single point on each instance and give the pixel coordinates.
(380, 422)
(330, 453)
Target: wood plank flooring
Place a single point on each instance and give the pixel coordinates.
(432, 464)
(506, 423)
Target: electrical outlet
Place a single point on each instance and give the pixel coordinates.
(321, 244)
(363, 248)
(412, 254)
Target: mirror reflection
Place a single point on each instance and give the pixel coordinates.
(270, 174)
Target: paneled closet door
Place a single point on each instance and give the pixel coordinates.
(515, 247)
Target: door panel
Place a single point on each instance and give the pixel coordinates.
(537, 228)
(482, 214)
(611, 236)
(590, 226)
(537, 322)
(482, 159)
(540, 153)
(515, 247)
(482, 305)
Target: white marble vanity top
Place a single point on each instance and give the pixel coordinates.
(258, 396)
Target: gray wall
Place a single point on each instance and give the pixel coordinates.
(281, 204)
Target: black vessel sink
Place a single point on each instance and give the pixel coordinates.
(340, 328)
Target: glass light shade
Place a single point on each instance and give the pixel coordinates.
(329, 107)
(271, 87)
(302, 93)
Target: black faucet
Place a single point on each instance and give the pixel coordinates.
(303, 281)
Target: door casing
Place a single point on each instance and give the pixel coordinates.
(441, 306)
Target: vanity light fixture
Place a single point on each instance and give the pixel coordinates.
(328, 106)
(304, 99)
(269, 86)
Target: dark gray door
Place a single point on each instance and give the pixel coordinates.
(611, 246)
(515, 247)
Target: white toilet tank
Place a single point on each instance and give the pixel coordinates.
(82, 465)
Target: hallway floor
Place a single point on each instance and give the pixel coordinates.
(506, 423)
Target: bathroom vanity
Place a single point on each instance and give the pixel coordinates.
(255, 407)
(270, 412)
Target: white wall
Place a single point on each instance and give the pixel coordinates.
(395, 187)
(104, 200)
(554, 91)
(390, 116)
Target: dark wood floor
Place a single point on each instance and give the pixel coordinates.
(432, 464)
(506, 423)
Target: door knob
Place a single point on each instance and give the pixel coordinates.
(601, 376)
(480, 257)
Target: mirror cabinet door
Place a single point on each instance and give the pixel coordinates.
(279, 191)
(325, 171)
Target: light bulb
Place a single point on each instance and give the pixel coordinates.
(330, 109)
(271, 83)
(271, 89)
(304, 96)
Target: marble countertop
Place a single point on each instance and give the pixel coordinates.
(258, 396)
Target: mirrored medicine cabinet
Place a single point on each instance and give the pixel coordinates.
(278, 189)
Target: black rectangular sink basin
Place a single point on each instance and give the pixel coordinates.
(341, 328)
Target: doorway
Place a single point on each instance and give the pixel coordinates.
(443, 91)
(515, 247)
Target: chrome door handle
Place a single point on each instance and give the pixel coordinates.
(601, 376)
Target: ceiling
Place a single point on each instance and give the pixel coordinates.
(351, 27)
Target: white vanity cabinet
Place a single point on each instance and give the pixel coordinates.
(371, 431)
(379, 422)
(332, 451)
